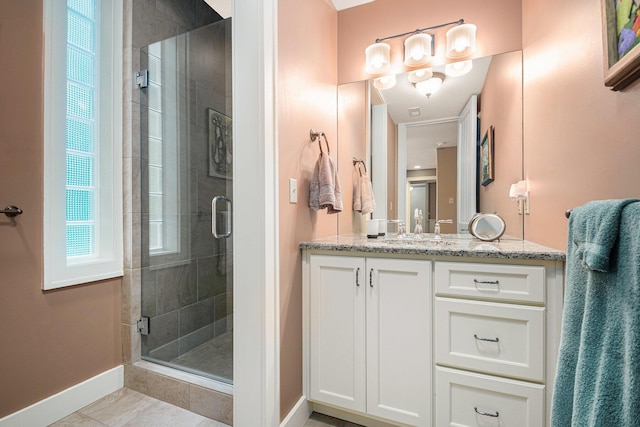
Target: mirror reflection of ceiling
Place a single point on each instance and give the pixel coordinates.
(423, 141)
(446, 103)
(440, 110)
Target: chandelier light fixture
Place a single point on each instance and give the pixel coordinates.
(419, 47)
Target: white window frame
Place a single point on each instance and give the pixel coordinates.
(172, 173)
(108, 262)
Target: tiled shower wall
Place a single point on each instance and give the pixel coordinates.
(145, 22)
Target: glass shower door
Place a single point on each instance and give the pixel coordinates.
(186, 243)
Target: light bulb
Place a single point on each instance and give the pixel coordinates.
(417, 50)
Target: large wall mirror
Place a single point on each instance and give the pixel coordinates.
(425, 150)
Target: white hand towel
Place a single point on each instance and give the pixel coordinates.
(357, 190)
(366, 195)
(314, 188)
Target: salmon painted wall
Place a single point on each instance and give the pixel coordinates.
(501, 102)
(50, 340)
(307, 98)
(580, 139)
(498, 29)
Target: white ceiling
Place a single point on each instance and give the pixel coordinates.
(346, 4)
(422, 141)
(223, 7)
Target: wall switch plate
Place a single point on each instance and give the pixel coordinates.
(293, 190)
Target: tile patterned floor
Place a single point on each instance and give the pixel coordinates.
(128, 408)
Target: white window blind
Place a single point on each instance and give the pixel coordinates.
(83, 114)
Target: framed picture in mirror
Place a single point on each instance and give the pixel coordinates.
(486, 157)
(621, 39)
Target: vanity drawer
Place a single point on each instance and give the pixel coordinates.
(468, 399)
(501, 282)
(502, 339)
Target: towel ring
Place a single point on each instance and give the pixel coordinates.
(326, 142)
(316, 135)
(357, 162)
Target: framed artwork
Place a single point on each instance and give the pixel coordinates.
(220, 145)
(486, 157)
(621, 39)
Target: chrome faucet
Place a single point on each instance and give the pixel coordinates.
(436, 228)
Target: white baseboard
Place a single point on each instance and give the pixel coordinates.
(60, 405)
(298, 415)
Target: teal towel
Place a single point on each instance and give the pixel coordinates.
(598, 373)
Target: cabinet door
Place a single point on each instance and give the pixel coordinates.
(398, 340)
(337, 337)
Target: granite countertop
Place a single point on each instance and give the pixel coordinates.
(451, 245)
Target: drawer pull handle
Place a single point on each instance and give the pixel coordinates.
(486, 282)
(371, 278)
(486, 414)
(486, 339)
(358, 277)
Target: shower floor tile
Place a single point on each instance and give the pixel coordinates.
(214, 357)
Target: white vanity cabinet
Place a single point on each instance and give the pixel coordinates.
(369, 336)
(457, 334)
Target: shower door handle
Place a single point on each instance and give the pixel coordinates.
(214, 214)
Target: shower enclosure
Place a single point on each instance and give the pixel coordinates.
(186, 151)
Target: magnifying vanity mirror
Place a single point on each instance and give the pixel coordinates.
(425, 149)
